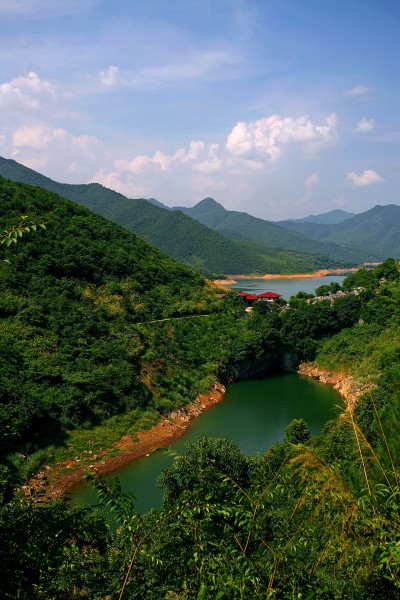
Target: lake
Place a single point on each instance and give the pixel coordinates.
(286, 287)
(254, 414)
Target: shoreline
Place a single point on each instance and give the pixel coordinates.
(345, 384)
(231, 279)
(59, 480)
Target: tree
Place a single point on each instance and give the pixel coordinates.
(10, 236)
(297, 432)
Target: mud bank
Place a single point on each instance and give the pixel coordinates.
(57, 481)
(231, 279)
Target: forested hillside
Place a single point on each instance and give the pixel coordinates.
(239, 225)
(184, 238)
(377, 228)
(329, 218)
(76, 301)
(100, 332)
(203, 249)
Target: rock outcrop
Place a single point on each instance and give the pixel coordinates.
(348, 387)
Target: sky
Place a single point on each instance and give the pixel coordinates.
(279, 108)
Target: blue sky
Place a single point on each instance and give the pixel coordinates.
(280, 108)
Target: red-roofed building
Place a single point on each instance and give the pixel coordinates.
(269, 296)
(248, 298)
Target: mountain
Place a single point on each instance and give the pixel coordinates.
(157, 203)
(76, 301)
(182, 237)
(240, 225)
(377, 229)
(329, 218)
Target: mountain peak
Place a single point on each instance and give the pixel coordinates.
(208, 204)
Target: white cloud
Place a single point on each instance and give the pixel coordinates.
(249, 148)
(142, 174)
(209, 65)
(312, 181)
(28, 92)
(365, 178)
(200, 65)
(266, 138)
(37, 9)
(213, 162)
(365, 125)
(357, 90)
(340, 201)
(110, 77)
(56, 151)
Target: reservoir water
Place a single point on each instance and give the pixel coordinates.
(286, 287)
(254, 414)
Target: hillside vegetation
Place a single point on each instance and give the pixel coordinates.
(240, 225)
(329, 218)
(185, 239)
(98, 329)
(76, 306)
(377, 228)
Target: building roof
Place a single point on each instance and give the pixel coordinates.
(269, 295)
(250, 297)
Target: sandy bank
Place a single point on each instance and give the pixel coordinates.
(321, 273)
(57, 481)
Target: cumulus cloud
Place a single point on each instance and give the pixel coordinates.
(365, 125)
(266, 138)
(28, 92)
(247, 151)
(367, 177)
(357, 90)
(212, 163)
(56, 151)
(137, 176)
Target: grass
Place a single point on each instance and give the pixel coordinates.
(359, 351)
(84, 445)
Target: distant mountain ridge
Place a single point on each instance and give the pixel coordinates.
(377, 229)
(331, 217)
(241, 225)
(181, 237)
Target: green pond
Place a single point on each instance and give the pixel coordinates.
(254, 414)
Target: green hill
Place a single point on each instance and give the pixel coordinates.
(244, 226)
(329, 218)
(377, 229)
(310, 517)
(76, 306)
(178, 235)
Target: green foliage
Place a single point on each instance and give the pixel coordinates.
(238, 225)
(11, 235)
(88, 312)
(184, 238)
(51, 551)
(326, 290)
(100, 331)
(297, 432)
(202, 465)
(374, 232)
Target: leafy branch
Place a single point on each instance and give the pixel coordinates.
(26, 225)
